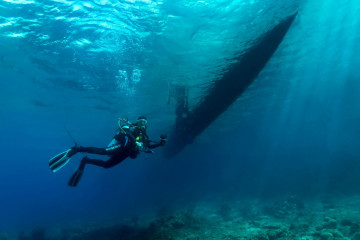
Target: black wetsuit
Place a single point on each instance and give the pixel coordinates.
(125, 147)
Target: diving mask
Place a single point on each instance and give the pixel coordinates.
(142, 122)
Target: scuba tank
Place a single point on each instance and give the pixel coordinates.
(123, 122)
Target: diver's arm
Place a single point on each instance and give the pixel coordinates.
(153, 144)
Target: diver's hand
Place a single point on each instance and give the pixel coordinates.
(139, 145)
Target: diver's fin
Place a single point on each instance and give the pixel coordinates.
(75, 178)
(61, 159)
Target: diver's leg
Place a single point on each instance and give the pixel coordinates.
(110, 150)
(94, 150)
(114, 160)
(75, 178)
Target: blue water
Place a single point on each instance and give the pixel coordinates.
(76, 66)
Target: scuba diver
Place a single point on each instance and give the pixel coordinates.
(129, 141)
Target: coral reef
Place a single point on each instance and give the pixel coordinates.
(284, 218)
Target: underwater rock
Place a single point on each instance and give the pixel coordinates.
(325, 235)
(261, 236)
(183, 219)
(181, 223)
(336, 233)
(346, 222)
(277, 234)
(356, 236)
(271, 234)
(288, 206)
(354, 228)
(306, 238)
(330, 234)
(329, 223)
